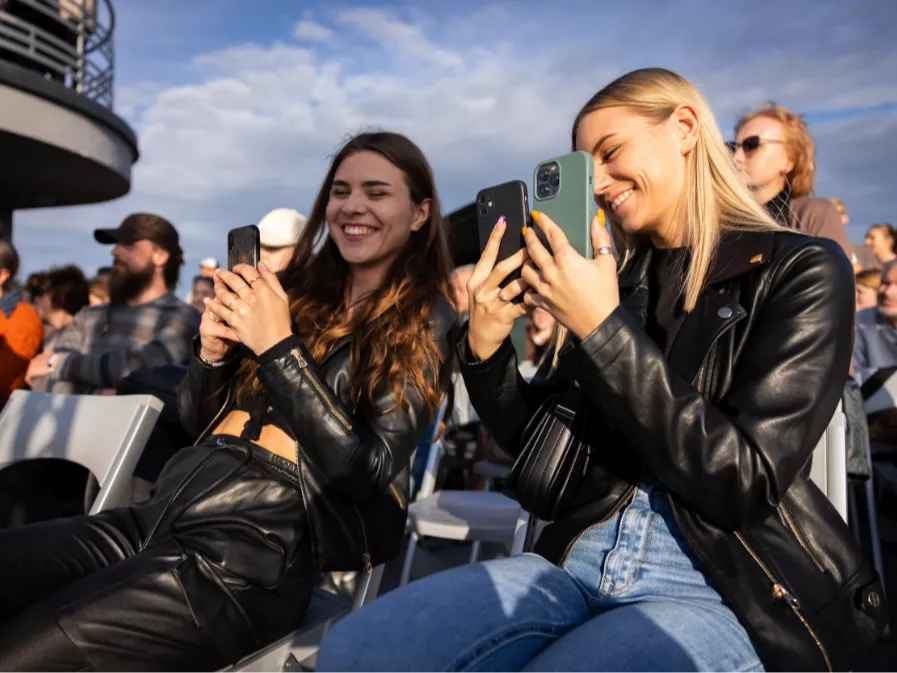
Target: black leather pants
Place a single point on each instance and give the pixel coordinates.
(214, 566)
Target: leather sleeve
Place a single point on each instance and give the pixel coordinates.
(733, 461)
(502, 399)
(360, 451)
(204, 390)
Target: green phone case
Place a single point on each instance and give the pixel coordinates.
(570, 202)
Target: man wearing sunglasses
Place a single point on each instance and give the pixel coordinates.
(775, 156)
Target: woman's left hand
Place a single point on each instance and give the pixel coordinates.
(579, 292)
(254, 305)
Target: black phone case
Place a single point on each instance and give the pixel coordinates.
(243, 246)
(508, 199)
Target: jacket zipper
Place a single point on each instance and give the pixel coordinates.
(397, 494)
(780, 592)
(610, 515)
(801, 540)
(365, 556)
(217, 416)
(322, 394)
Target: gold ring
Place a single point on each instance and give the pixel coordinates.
(241, 287)
(252, 280)
(231, 302)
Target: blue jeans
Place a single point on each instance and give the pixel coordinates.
(630, 597)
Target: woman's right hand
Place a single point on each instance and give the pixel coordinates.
(492, 310)
(216, 339)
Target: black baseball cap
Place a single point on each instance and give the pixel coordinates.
(142, 227)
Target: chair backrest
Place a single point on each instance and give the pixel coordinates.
(104, 433)
(829, 467)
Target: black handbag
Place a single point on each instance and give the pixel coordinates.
(555, 456)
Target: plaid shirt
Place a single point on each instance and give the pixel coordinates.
(103, 344)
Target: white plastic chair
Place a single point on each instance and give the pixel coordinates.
(293, 651)
(106, 434)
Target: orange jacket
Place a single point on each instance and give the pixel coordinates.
(20, 340)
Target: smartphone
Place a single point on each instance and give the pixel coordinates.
(508, 199)
(243, 246)
(562, 189)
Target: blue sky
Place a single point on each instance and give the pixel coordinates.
(237, 105)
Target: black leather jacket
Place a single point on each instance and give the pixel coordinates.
(354, 461)
(727, 418)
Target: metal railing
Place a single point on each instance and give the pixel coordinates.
(69, 41)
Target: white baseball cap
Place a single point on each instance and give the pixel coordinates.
(209, 263)
(281, 227)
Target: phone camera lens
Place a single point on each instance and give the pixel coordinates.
(542, 190)
(543, 173)
(555, 180)
(482, 199)
(484, 211)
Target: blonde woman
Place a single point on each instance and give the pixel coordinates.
(710, 368)
(776, 158)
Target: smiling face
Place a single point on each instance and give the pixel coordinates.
(639, 168)
(370, 212)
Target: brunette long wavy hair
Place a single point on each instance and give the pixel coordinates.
(388, 343)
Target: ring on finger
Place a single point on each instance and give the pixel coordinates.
(507, 301)
(604, 250)
(241, 287)
(231, 302)
(252, 280)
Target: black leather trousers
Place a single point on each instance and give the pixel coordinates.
(213, 566)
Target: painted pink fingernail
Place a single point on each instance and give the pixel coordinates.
(501, 220)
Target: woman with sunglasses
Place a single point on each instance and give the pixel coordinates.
(708, 369)
(776, 158)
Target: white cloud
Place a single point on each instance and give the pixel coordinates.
(256, 125)
(395, 35)
(312, 31)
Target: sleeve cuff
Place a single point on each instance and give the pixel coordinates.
(196, 345)
(467, 361)
(279, 350)
(599, 337)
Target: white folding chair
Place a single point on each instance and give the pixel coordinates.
(295, 651)
(828, 469)
(106, 434)
(480, 516)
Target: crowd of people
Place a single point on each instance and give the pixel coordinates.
(703, 350)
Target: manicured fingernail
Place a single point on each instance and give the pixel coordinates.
(525, 229)
(601, 217)
(501, 221)
(536, 214)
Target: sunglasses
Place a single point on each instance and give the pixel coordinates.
(750, 144)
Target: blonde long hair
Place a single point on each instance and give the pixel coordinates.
(715, 198)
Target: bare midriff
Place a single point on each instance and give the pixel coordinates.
(271, 437)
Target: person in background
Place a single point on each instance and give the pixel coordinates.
(21, 331)
(143, 326)
(867, 282)
(207, 268)
(99, 289)
(34, 286)
(863, 257)
(776, 159)
(66, 292)
(875, 343)
(203, 288)
(279, 231)
(882, 240)
(841, 208)
(539, 330)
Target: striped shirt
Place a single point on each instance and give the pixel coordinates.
(103, 344)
